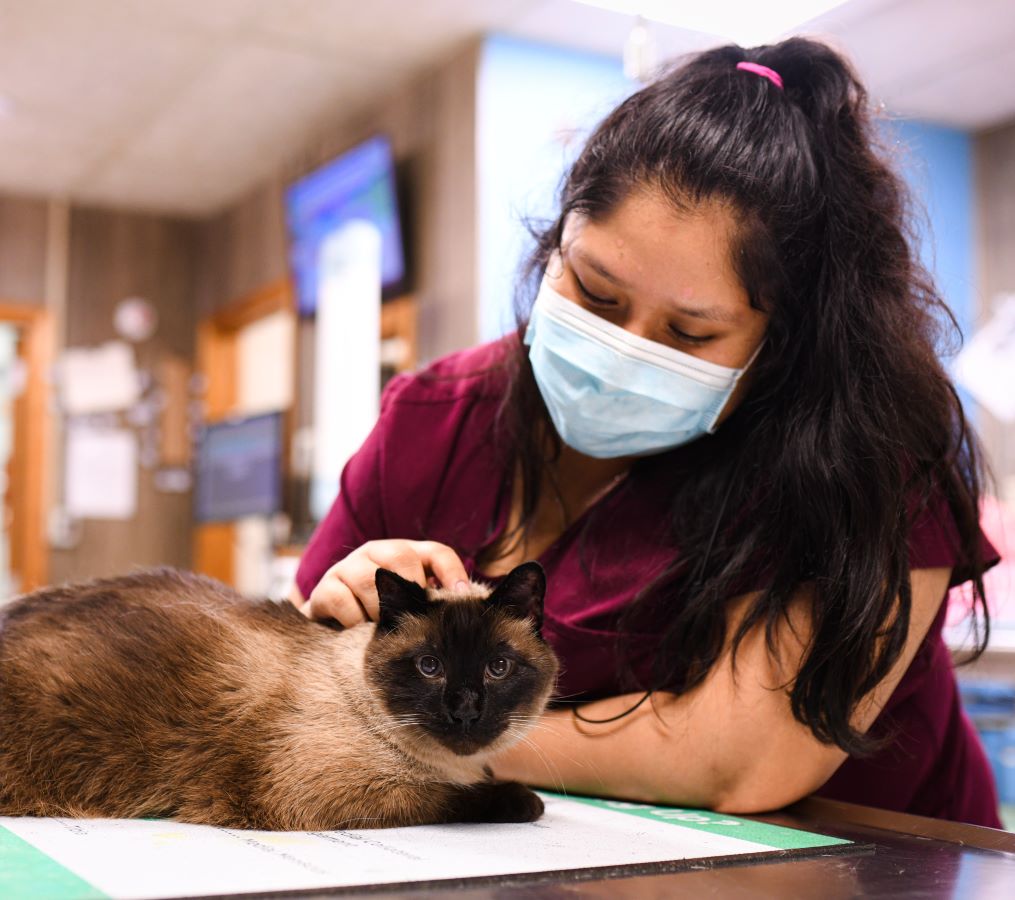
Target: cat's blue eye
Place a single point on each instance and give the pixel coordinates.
(429, 666)
(500, 667)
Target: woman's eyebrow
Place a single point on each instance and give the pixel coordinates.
(708, 313)
(600, 269)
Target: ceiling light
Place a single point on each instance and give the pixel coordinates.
(747, 22)
(639, 52)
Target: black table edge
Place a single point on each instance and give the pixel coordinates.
(819, 811)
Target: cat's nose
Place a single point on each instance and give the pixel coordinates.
(466, 708)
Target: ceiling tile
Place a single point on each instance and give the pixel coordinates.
(906, 51)
(966, 95)
(34, 162)
(234, 124)
(187, 103)
(902, 45)
(386, 32)
(81, 65)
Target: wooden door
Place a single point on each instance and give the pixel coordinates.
(28, 466)
(218, 340)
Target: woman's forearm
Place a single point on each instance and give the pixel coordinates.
(732, 744)
(666, 753)
(677, 751)
(638, 757)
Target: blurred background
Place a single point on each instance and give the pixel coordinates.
(197, 195)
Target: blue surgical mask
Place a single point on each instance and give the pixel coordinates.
(611, 393)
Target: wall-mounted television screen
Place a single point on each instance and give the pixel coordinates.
(359, 184)
(239, 469)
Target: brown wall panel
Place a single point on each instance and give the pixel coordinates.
(115, 255)
(242, 249)
(995, 200)
(22, 249)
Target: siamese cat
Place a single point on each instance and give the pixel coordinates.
(167, 694)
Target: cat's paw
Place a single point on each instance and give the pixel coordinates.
(509, 801)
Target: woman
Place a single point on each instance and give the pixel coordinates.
(724, 432)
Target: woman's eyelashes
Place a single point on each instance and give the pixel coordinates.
(694, 340)
(592, 298)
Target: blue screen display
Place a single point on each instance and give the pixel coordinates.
(239, 469)
(359, 184)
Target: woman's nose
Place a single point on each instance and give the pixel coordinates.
(639, 325)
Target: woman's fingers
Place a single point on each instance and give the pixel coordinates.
(400, 557)
(334, 599)
(443, 562)
(348, 590)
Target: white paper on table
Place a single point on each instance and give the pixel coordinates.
(155, 859)
(98, 379)
(100, 473)
(986, 365)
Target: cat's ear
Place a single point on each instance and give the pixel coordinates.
(398, 597)
(521, 593)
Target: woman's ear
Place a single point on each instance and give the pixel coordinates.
(398, 598)
(521, 593)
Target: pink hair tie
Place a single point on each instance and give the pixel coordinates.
(763, 71)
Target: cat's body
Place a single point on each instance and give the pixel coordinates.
(167, 694)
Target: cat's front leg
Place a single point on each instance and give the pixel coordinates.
(494, 801)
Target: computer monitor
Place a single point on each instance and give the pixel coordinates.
(239, 469)
(359, 184)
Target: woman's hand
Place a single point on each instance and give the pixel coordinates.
(347, 592)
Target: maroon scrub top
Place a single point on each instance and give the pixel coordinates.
(430, 471)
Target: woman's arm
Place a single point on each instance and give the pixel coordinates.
(731, 744)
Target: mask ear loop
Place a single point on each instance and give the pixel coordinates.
(626, 712)
(740, 374)
(697, 583)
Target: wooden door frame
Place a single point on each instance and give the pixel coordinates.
(217, 349)
(30, 455)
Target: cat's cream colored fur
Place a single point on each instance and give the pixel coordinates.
(164, 693)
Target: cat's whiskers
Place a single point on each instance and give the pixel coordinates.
(350, 824)
(540, 726)
(393, 728)
(386, 728)
(525, 717)
(551, 769)
(529, 723)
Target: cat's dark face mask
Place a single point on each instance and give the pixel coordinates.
(463, 672)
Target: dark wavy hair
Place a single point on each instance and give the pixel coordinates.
(850, 429)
